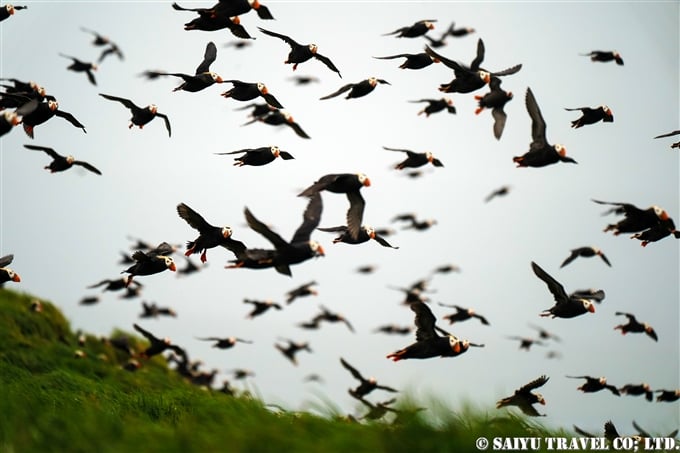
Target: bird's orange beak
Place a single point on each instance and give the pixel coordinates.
(321, 251)
(367, 182)
(172, 267)
(591, 308)
(16, 278)
(456, 348)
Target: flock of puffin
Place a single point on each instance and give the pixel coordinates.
(27, 104)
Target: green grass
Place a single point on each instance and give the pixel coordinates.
(53, 401)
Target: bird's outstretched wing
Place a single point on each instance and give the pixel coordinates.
(290, 41)
(6, 260)
(310, 219)
(87, 166)
(479, 57)
(424, 321)
(537, 121)
(51, 152)
(339, 92)
(166, 120)
(208, 58)
(264, 230)
(327, 61)
(538, 382)
(355, 213)
(555, 287)
(352, 370)
(271, 100)
(193, 218)
(70, 118)
(670, 134)
(126, 102)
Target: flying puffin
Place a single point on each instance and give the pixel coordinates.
(526, 342)
(667, 396)
(524, 398)
(43, 112)
(326, 315)
(247, 91)
(140, 116)
(235, 8)
(154, 311)
(541, 153)
(210, 236)
(591, 115)
(300, 248)
(565, 306)
(634, 326)
(8, 10)
(413, 31)
(260, 307)
(101, 40)
(393, 329)
(495, 100)
(366, 386)
(469, 78)
(604, 56)
(82, 66)
(436, 105)
(210, 19)
(670, 134)
(501, 191)
(292, 349)
(413, 60)
(224, 343)
(637, 390)
(595, 384)
(463, 314)
(414, 159)
(113, 284)
(544, 334)
(357, 90)
(349, 184)
(202, 79)
(258, 156)
(635, 219)
(420, 225)
(586, 252)
(151, 262)
(62, 163)
(157, 346)
(365, 234)
(428, 343)
(7, 274)
(300, 53)
(301, 291)
(278, 117)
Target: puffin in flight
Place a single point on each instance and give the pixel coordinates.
(300, 53)
(357, 90)
(62, 163)
(203, 77)
(565, 306)
(140, 116)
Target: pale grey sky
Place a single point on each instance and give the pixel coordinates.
(67, 230)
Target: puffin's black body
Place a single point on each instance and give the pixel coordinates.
(667, 396)
(292, 349)
(62, 163)
(279, 117)
(357, 90)
(7, 274)
(82, 66)
(233, 8)
(301, 291)
(8, 10)
(541, 153)
(154, 311)
(637, 390)
(500, 192)
(260, 307)
(591, 115)
(140, 116)
(247, 91)
(113, 285)
(524, 398)
(258, 156)
(634, 326)
(428, 343)
(415, 160)
(594, 384)
(565, 306)
(436, 105)
(463, 314)
(101, 40)
(151, 262)
(365, 386)
(413, 31)
(469, 79)
(605, 56)
(224, 343)
(217, 18)
(43, 112)
(157, 345)
(210, 236)
(299, 249)
(495, 100)
(202, 79)
(586, 252)
(349, 184)
(365, 234)
(300, 53)
(413, 60)
(654, 221)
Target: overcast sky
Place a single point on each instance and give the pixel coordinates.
(67, 230)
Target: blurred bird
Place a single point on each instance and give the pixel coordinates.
(366, 386)
(415, 224)
(43, 112)
(414, 159)
(594, 384)
(413, 31)
(357, 90)
(301, 291)
(300, 53)
(260, 307)
(524, 398)
(637, 390)
(278, 117)
(113, 285)
(671, 134)
(90, 300)
(217, 18)
(82, 66)
(654, 220)
(100, 41)
(7, 274)
(436, 105)
(154, 311)
(592, 115)
(586, 252)
(224, 343)
(565, 306)
(61, 163)
(634, 326)
(541, 153)
(349, 184)
(501, 191)
(463, 314)
(526, 342)
(8, 10)
(413, 60)
(258, 156)
(140, 116)
(667, 396)
(446, 268)
(544, 334)
(290, 351)
(604, 56)
(394, 329)
(203, 77)
(495, 100)
(365, 234)
(157, 346)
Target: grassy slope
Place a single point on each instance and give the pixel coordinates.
(52, 401)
